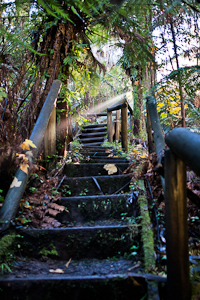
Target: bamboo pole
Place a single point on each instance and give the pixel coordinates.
(124, 129)
(17, 188)
(178, 279)
(109, 126)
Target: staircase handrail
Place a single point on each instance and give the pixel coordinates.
(184, 150)
(122, 105)
(17, 188)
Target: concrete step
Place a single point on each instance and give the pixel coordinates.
(88, 186)
(93, 169)
(81, 280)
(94, 208)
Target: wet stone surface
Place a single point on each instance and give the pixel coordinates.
(88, 267)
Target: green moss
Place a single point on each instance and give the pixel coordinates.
(147, 233)
(6, 253)
(51, 251)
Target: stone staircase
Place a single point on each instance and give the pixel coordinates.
(93, 255)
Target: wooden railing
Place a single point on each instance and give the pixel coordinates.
(123, 106)
(45, 126)
(184, 150)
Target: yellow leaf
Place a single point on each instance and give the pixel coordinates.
(28, 206)
(59, 271)
(24, 167)
(15, 183)
(135, 150)
(27, 144)
(173, 103)
(143, 155)
(160, 90)
(163, 115)
(67, 264)
(111, 168)
(160, 105)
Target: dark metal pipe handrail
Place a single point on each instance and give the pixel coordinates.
(156, 127)
(185, 144)
(17, 188)
(155, 131)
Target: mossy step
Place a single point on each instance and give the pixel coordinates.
(77, 242)
(95, 125)
(95, 169)
(90, 130)
(87, 152)
(96, 144)
(92, 208)
(105, 160)
(97, 149)
(89, 135)
(81, 280)
(86, 186)
(92, 140)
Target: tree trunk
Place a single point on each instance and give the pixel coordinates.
(179, 74)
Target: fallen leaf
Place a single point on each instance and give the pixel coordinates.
(22, 156)
(15, 183)
(143, 155)
(28, 206)
(58, 271)
(111, 168)
(27, 144)
(24, 167)
(135, 282)
(67, 264)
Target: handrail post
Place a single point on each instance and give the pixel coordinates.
(178, 279)
(131, 123)
(109, 126)
(151, 144)
(117, 132)
(124, 129)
